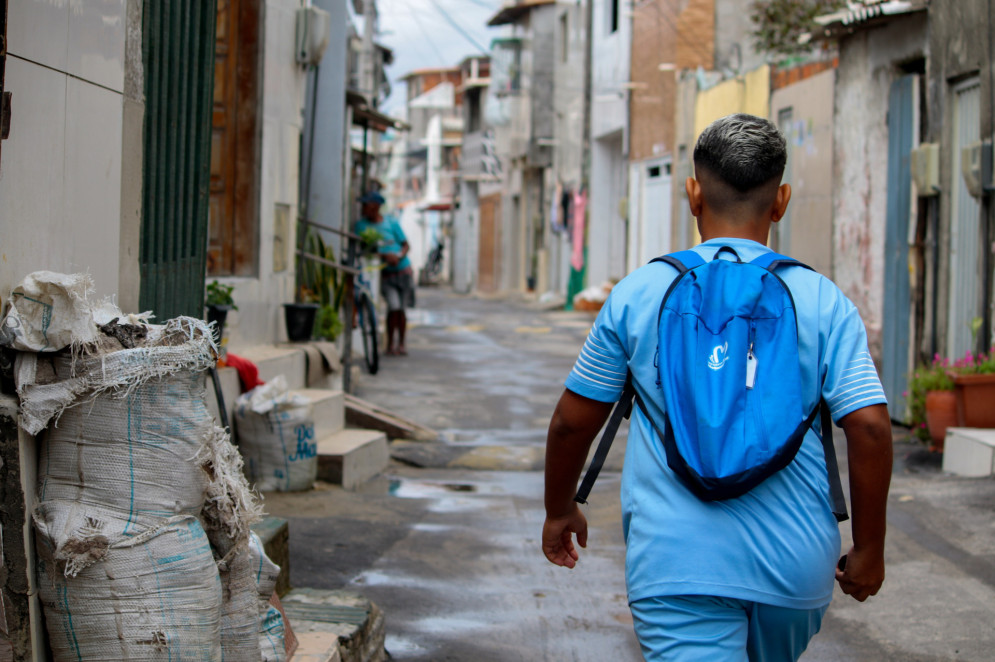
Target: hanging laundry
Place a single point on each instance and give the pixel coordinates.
(577, 230)
(554, 220)
(566, 203)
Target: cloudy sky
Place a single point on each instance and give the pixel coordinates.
(422, 34)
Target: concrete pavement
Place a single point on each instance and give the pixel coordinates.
(446, 543)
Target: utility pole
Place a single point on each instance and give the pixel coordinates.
(367, 56)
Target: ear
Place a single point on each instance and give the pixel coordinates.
(781, 202)
(693, 188)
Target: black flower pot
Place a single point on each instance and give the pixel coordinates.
(217, 313)
(300, 320)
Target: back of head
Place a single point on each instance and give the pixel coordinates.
(740, 160)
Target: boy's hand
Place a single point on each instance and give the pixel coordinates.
(557, 537)
(863, 574)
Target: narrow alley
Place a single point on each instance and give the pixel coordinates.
(446, 541)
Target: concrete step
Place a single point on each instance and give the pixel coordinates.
(272, 361)
(351, 457)
(328, 409)
(969, 452)
(335, 626)
(274, 532)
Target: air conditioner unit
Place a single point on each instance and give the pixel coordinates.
(925, 164)
(314, 27)
(976, 168)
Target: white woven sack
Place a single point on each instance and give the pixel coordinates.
(240, 610)
(272, 631)
(153, 594)
(48, 312)
(139, 453)
(276, 437)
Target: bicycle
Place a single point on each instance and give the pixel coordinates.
(367, 317)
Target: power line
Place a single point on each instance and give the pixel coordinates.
(449, 19)
(482, 3)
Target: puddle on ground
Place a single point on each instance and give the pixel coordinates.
(414, 489)
(422, 317)
(399, 645)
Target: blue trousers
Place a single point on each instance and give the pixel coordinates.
(701, 628)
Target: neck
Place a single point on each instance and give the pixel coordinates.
(712, 228)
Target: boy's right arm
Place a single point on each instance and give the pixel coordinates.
(869, 458)
(574, 426)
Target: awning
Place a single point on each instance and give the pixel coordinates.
(512, 12)
(863, 15)
(370, 118)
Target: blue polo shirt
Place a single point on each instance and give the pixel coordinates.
(391, 239)
(779, 543)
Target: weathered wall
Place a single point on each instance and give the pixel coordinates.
(611, 58)
(869, 62)
(808, 225)
(959, 34)
(734, 52)
(67, 201)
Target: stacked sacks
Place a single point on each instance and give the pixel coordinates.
(272, 640)
(143, 523)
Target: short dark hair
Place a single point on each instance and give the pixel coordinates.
(743, 151)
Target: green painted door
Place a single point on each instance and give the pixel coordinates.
(178, 52)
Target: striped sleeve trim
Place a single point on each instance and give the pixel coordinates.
(859, 386)
(597, 370)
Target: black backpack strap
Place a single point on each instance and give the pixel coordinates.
(832, 467)
(622, 410)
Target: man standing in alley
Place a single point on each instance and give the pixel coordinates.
(735, 565)
(397, 283)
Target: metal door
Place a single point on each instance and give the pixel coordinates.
(965, 227)
(654, 211)
(897, 291)
(178, 45)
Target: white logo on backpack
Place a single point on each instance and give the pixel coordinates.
(718, 357)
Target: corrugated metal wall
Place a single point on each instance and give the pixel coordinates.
(965, 276)
(178, 44)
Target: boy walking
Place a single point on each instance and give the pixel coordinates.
(748, 577)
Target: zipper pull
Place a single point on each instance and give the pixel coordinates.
(751, 367)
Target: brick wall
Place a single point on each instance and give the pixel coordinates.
(662, 32)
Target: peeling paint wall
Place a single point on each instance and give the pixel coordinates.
(869, 62)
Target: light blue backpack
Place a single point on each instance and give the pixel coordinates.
(730, 377)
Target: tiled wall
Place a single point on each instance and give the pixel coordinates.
(60, 178)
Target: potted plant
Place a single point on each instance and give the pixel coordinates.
(932, 402)
(319, 294)
(218, 302)
(974, 386)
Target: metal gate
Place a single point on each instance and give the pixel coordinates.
(965, 228)
(178, 52)
(897, 290)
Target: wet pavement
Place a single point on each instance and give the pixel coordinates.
(446, 541)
